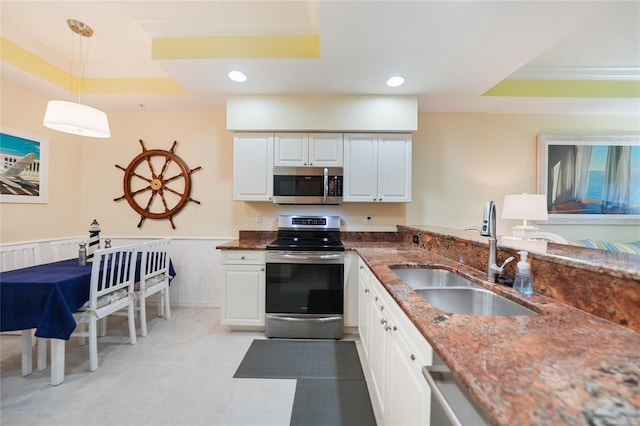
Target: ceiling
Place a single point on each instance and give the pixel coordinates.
(489, 56)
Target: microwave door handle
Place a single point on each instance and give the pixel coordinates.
(326, 184)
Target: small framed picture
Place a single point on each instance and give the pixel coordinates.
(24, 168)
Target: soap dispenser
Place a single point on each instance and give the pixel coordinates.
(523, 282)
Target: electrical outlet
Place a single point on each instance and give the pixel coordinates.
(259, 218)
(367, 220)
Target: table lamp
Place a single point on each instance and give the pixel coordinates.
(525, 207)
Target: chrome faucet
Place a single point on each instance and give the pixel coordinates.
(488, 229)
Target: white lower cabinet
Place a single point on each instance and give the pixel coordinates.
(395, 353)
(243, 295)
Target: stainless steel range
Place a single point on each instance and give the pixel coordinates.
(305, 279)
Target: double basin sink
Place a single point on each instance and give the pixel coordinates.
(453, 293)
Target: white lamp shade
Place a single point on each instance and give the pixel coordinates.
(525, 206)
(77, 119)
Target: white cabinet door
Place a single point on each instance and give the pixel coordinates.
(408, 395)
(305, 150)
(243, 303)
(364, 309)
(326, 150)
(360, 168)
(377, 168)
(378, 349)
(394, 168)
(291, 149)
(243, 291)
(253, 167)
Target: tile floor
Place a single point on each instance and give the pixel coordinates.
(180, 374)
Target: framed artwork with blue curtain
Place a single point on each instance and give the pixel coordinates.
(592, 179)
(24, 167)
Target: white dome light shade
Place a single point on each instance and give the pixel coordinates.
(395, 81)
(77, 119)
(237, 76)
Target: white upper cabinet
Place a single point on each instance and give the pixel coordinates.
(308, 149)
(253, 166)
(377, 168)
(326, 149)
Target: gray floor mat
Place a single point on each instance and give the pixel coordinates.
(301, 359)
(326, 402)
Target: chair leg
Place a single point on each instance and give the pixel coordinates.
(93, 343)
(103, 326)
(167, 306)
(132, 322)
(42, 353)
(143, 315)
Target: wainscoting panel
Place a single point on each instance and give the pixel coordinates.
(198, 281)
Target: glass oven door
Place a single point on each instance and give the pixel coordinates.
(304, 283)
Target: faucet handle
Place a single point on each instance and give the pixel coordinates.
(509, 259)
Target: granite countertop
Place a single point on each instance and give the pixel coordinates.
(563, 366)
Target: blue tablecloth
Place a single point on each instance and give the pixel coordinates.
(44, 296)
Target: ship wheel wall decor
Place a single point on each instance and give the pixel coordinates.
(157, 184)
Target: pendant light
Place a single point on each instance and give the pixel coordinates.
(74, 117)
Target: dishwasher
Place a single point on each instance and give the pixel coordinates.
(449, 404)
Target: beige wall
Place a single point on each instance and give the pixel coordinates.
(459, 161)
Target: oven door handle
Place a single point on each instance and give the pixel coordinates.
(285, 318)
(285, 256)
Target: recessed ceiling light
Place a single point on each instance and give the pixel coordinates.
(237, 76)
(395, 81)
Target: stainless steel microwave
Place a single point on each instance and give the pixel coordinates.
(307, 185)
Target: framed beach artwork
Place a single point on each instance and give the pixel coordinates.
(24, 167)
(590, 179)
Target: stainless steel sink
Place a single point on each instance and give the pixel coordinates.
(417, 278)
(472, 301)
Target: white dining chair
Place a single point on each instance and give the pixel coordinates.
(65, 249)
(111, 290)
(15, 256)
(154, 278)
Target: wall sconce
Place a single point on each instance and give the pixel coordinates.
(525, 207)
(72, 117)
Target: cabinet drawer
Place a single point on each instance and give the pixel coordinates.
(250, 257)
